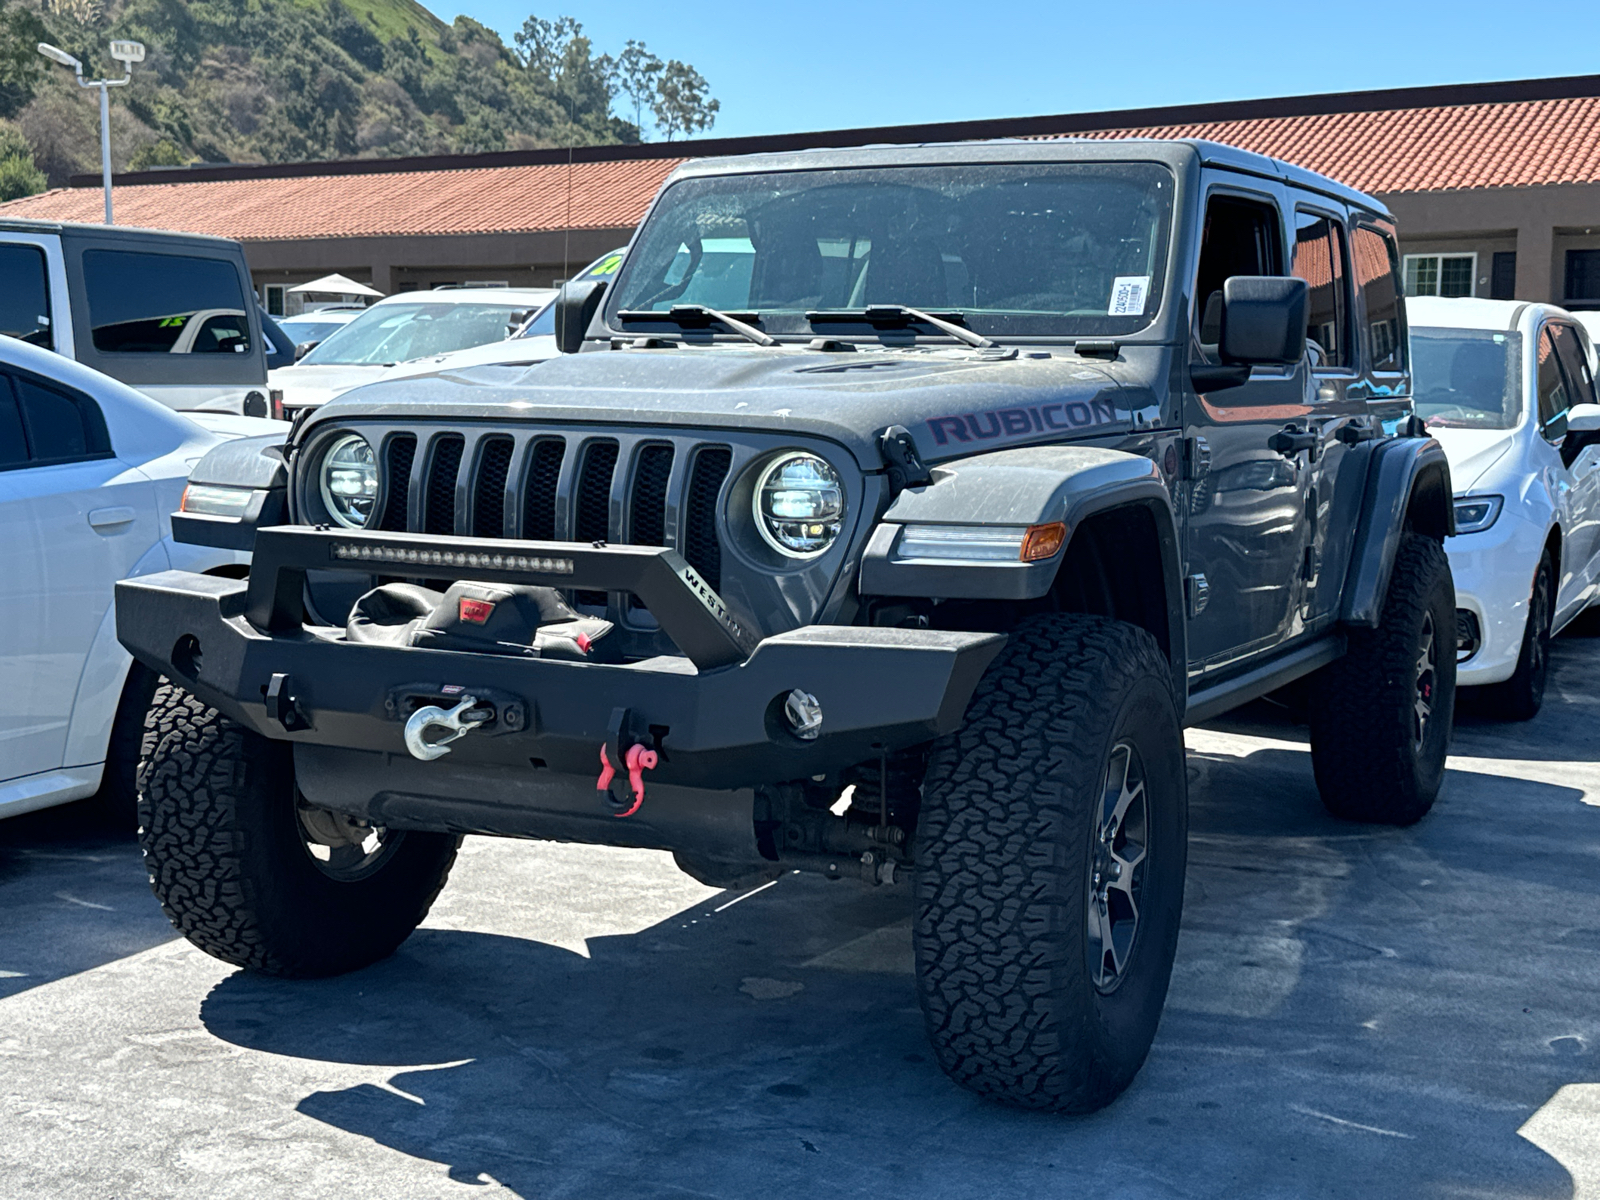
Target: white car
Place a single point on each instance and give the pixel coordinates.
(400, 328)
(90, 471)
(1508, 390)
(311, 329)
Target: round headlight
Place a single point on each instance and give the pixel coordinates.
(349, 481)
(799, 505)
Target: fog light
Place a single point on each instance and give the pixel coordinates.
(804, 715)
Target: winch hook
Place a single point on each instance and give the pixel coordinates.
(458, 720)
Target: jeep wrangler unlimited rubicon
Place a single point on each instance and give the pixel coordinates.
(955, 478)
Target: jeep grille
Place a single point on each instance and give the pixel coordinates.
(642, 489)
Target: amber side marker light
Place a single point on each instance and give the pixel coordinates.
(1042, 541)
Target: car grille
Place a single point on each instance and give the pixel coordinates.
(642, 489)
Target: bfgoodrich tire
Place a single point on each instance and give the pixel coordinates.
(1380, 716)
(1050, 853)
(251, 875)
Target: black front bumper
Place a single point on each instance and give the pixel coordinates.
(715, 715)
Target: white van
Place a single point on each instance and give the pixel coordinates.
(171, 314)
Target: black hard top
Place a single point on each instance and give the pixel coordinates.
(1177, 153)
(98, 232)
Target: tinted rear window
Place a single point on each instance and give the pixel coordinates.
(13, 442)
(25, 295)
(142, 303)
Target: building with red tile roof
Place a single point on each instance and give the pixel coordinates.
(1496, 187)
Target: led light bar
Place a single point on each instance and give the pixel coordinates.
(403, 556)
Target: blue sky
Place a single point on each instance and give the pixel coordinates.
(785, 67)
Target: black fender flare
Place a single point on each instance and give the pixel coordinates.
(1408, 481)
(1030, 485)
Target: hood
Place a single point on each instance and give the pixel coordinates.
(304, 386)
(955, 402)
(513, 352)
(1472, 452)
(231, 425)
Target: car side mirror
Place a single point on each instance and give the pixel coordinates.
(574, 310)
(305, 348)
(1263, 320)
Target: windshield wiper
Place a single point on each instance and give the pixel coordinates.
(698, 316)
(898, 315)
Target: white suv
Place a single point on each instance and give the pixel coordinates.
(1506, 387)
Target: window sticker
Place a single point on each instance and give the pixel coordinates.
(1127, 295)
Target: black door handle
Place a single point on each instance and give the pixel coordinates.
(1291, 440)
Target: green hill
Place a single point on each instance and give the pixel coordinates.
(296, 80)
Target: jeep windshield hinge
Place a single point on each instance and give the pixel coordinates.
(905, 465)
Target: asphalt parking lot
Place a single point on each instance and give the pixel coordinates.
(1355, 1012)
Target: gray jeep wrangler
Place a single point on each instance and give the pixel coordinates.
(900, 509)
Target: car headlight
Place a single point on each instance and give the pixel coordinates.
(349, 481)
(1474, 514)
(799, 505)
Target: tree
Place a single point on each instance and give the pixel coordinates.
(20, 66)
(18, 176)
(542, 45)
(637, 73)
(682, 105)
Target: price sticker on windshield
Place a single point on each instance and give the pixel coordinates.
(1127, 295)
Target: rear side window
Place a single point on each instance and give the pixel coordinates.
(1319, 260)
(142, 303)
(25, 295)
(1377, 268)
(52, 425)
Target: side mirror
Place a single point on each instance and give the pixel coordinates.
(1263, 320)
(1583, 418)
(574, 310)
(305, 348)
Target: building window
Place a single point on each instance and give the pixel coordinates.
(1583, 276)
(274, 298)
(1440, 274)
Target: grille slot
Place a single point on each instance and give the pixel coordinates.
(701, 548)
(489, 492)
(439, 514)
(647, 511)
(402, 452)
(592, 509)
(539, 494)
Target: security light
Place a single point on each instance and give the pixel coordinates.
(60, 56)
(128, 52)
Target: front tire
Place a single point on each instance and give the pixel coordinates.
(1050, 851)
(1520, 697)
(252, 875)
(1380, 716)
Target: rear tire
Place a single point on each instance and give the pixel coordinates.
(1380, 716)
(254, 877)
(1025, 999)
(1520, 697)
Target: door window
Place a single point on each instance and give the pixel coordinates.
(142, 303)
(1553, 397)
(1242, 237)
(25, 295)
(49, 425)
(1319, 260)
(1375, 258)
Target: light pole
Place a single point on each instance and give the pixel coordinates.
(127, 53)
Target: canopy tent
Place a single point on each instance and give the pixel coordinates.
(335, 285)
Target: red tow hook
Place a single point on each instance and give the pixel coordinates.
(639, 761)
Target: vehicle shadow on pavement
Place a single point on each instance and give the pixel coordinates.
(74, 896)
(1354, 1011)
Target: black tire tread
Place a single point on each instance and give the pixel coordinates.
(989, 865)
(1362, 767)
(195, 766)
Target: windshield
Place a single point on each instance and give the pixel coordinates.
(1042, 250)
(1467, 378)
(391, 333)
(301, 332)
